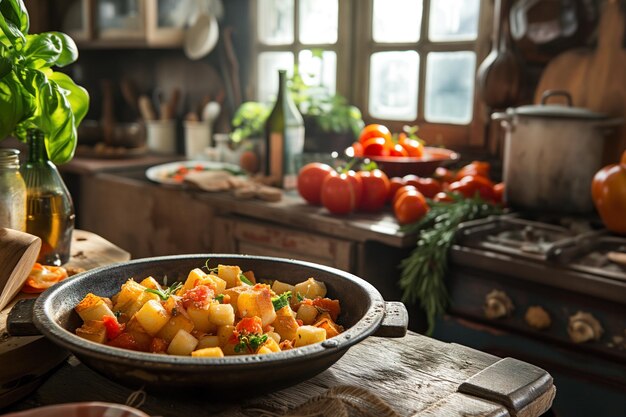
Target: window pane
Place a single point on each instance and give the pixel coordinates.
(318, 21)
(269, 64)
(449, 87)
(453, 20)
(397, 20)
(275, 21)
(393, 85)
(319, 68)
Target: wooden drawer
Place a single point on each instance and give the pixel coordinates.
(236, 235)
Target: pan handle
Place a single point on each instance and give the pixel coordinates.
(20, 320)
(395, 322)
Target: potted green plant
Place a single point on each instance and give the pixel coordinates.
(44, 108)
(32, 95)
(249, 121)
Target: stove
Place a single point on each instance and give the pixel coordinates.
(549, 290)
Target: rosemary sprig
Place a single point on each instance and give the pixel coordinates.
(423, 271)
(166, 293)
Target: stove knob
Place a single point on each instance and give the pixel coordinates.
(583, 327)
(497, 305)
(538, 318)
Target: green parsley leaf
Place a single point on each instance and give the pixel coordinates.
(245, 280)
(281, 300)
(219, 297)
(300, 297)
(251, 342)
(165, 294)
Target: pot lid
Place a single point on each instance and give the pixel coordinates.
(557, 110)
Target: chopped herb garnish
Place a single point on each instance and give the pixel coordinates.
(219, 297)
(281, 300)
(251, 342)
(166, 293)
(300, 297)
(245, 280)
(117, 314)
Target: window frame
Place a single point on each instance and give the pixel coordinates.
(354, 47)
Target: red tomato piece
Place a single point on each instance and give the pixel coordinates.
(355, 150)
(125, 341)
(331, 306)
(443, 197)
(113, 328)
(410, 207)
(251, 325)
(395, 184)
(413, 147)
(375, 190)
(475, 168)
(401, 191)
(375, 131)
(198, 296)
(470, 185)
(398, 150)
(375, 147)
(338, 193)
(310, 181)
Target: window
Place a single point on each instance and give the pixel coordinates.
(407, 62)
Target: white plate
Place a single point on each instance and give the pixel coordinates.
(163, 174)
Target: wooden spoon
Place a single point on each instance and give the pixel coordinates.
(18, 253)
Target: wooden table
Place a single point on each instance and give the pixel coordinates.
(415, 375)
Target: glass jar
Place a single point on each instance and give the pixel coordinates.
(12, 191)
(49, 207)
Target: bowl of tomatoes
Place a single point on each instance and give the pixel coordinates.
(399, 154)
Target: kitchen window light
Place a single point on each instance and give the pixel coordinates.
(400, 61)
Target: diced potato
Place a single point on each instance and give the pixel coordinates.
(233, 294)
(307, 313)
(269, 346)
(274, 336)
(311, 288)
(195, 275)
(285, 324)
(172, 327)
(152, 317)
(134, 307)
(220, 284)
(257, 303)
(211, 352)
(130, 291)
(230, 274)
(93, 307)
(281, 287)
(208, 341)
(250, 275)
(93, 330)
(150, 282)
(224, 333)
(182, 344)
(307, 335)
(200, 318)
(221, 314)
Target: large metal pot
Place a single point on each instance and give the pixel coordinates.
(551, 154)
(363, 313)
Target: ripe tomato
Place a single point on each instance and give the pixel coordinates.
(375, 131)
(338, 194)
(398, 150)
(498, 192)
(444, 175)
(401, 191)
(427, 186)
(476, 168)
(472, 184)
(410, 207)
(442, 197)
(413, 147)
(310, 181)
(394, 185)
(375, 190)
(357, 186)
(375, 147)
(355, 150)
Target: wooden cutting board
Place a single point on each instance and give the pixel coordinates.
(596, 78)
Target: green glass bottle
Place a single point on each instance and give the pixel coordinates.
(284, 137)
(49, 207)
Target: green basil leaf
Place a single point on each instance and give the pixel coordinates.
(5, 66)
(76, 95)
(57, 121)
(15, 105)
(42, 50)
(69, 51)
(14, 20)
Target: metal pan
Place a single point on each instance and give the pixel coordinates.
(364, 313)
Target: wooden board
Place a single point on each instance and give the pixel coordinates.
(596, 79)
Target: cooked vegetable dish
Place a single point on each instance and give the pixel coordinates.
(212, 314)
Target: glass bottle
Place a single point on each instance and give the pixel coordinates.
(284, 137)
(12, 191)
(49, 208)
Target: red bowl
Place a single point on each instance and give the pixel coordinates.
(424, 166)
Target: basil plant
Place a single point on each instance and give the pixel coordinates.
(32, 95)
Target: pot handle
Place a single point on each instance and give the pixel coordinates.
(553, 93)
(505, 118)
(20, 320)
(395, 322)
